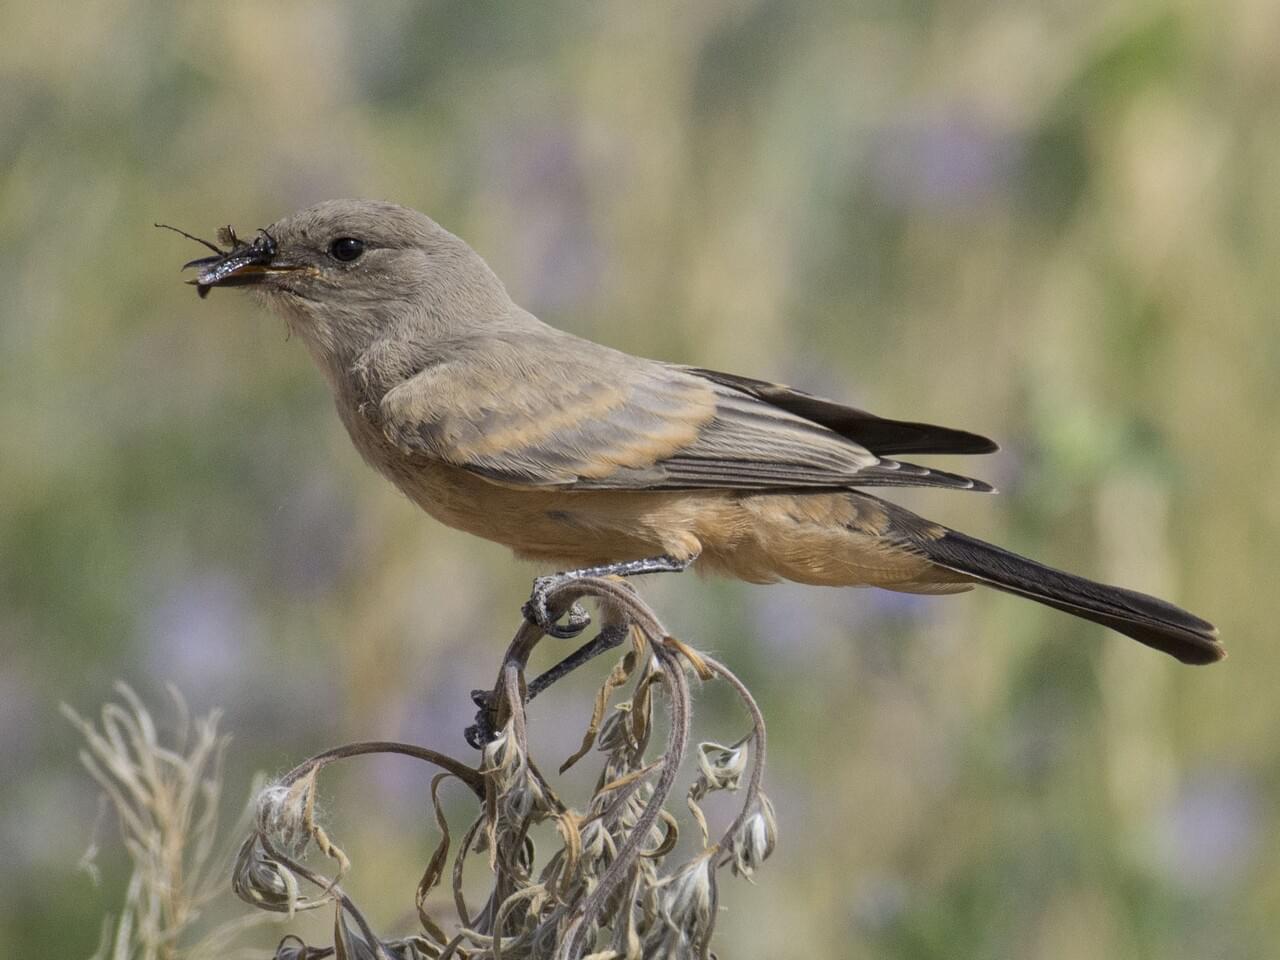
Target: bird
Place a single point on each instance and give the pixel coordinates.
(591, 461)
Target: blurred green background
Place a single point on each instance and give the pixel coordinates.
(1054, 223)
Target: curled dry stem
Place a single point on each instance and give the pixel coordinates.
(608, 889)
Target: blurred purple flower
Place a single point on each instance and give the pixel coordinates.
(785, 618)
(891, 605)
(196, 635)
(1207, 836)
(541, 169)
(312, 540)
(951, 160)
(791, 617)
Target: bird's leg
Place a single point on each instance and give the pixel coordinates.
(482, 731)
(611, 635)
(536, 612)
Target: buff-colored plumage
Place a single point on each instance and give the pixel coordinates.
(574, 454)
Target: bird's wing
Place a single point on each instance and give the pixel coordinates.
(579, 416)
(877, 434)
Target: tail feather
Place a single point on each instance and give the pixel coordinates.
(1148, 620)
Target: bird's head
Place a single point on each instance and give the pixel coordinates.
(344, 273)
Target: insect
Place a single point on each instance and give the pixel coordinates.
(219, 269)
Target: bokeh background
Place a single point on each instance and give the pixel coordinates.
(1055, 223)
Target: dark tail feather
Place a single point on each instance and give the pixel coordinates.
(1146, 619)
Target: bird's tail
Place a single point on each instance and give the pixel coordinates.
(1146, 619)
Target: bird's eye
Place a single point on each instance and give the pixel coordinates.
(346, 249)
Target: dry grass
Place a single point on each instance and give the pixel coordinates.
(166, 797)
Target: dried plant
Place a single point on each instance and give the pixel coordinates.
(613, 887)
(166, 798)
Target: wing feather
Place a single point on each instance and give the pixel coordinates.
(585, 417)
(877, 434)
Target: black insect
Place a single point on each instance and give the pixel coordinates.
(225, 264)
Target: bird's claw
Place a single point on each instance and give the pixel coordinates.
(576, 620)
(536, 612)
(481, 733)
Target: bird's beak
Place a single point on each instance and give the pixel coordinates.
(247, 264)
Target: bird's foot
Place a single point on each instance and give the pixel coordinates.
(611, 635)
(537, 612)
(481, 733)
(484, 730)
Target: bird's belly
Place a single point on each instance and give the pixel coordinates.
(825, 539)
(566, 529)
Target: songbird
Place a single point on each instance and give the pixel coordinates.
(592, 461)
